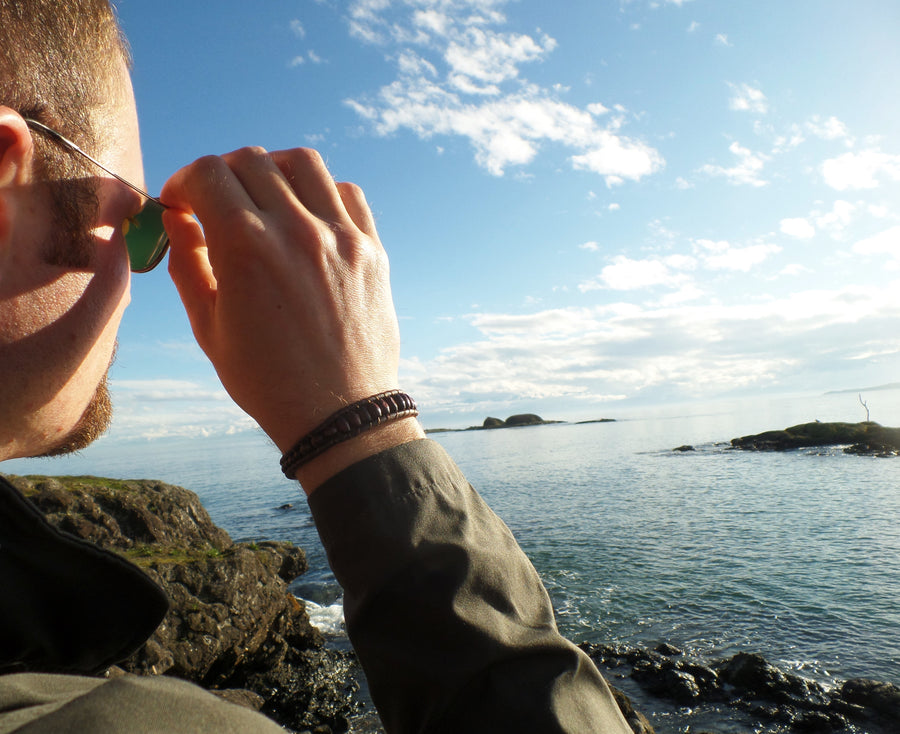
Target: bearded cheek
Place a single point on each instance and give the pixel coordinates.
(93, 423)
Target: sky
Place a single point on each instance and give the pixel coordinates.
(588, 206)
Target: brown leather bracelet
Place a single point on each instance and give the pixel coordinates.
(346, 424)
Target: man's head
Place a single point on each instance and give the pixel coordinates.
(64, 278)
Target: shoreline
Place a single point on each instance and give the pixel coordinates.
(660, 685)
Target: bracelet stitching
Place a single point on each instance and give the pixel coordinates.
(348, 423)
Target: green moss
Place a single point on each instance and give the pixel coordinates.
(148, 555)
(78, 483)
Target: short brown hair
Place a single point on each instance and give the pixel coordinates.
(59, 64)
(58, 61)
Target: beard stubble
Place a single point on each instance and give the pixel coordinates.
(75, 207)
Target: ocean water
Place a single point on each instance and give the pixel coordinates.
(792, 555)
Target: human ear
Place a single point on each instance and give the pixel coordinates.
(16, 149)
(16, 155)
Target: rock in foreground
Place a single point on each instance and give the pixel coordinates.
(233, 627)
(748, 684)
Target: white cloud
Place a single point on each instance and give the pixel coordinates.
(791, 140)
(794, 269)
(625, 274)
(828, 129)
(838, 219)
(617, 158)
(883, 243)
(748, 99)
(721, 255)
(298, 29)
(167, 390)
(722, 40)
(798, 227)
(687, 349)
(862, 170)
(745, 172)
(161, 408)
(590, 246)
(458, 74)
(492, 57)
(310, 56)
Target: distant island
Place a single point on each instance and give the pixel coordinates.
(514, 421)
(867, 438)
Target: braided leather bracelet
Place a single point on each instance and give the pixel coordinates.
(346, 424)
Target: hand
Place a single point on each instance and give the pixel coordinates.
(286, 285)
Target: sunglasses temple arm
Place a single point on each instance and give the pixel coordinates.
(74, 146)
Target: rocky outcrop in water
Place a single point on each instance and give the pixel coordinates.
(524, 419)
(233, 627)
(750, 685)
(514, 421)
(860, 438)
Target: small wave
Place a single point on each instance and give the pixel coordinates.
(329, 620)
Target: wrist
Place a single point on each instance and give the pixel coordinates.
(349, 434)
(314, 473)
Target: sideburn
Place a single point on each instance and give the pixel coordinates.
(75, 208)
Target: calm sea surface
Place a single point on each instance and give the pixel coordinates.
(793, 555)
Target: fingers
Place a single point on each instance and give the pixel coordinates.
(355, 203)
(306, 173)
(252, 180)
(254, 206)
(191, 272)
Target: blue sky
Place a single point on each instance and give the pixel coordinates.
(589, 206)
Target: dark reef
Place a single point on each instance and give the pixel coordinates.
(752, 690)
(867, 437)
(514, 421)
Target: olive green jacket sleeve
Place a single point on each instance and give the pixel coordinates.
(451, 623)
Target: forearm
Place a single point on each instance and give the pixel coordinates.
(450, 620)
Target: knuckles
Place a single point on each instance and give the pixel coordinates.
(305, 157)
(351, 190)
(248, 156)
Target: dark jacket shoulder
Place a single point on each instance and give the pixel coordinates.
(66, 606)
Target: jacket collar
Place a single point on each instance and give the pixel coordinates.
(66, 606)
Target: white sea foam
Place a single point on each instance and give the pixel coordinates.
(328, 620)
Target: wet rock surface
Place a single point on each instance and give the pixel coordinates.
(233, 627)
(746, 683)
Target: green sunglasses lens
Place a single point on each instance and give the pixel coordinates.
(146, 238)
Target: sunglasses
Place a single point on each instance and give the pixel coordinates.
(145, 237)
